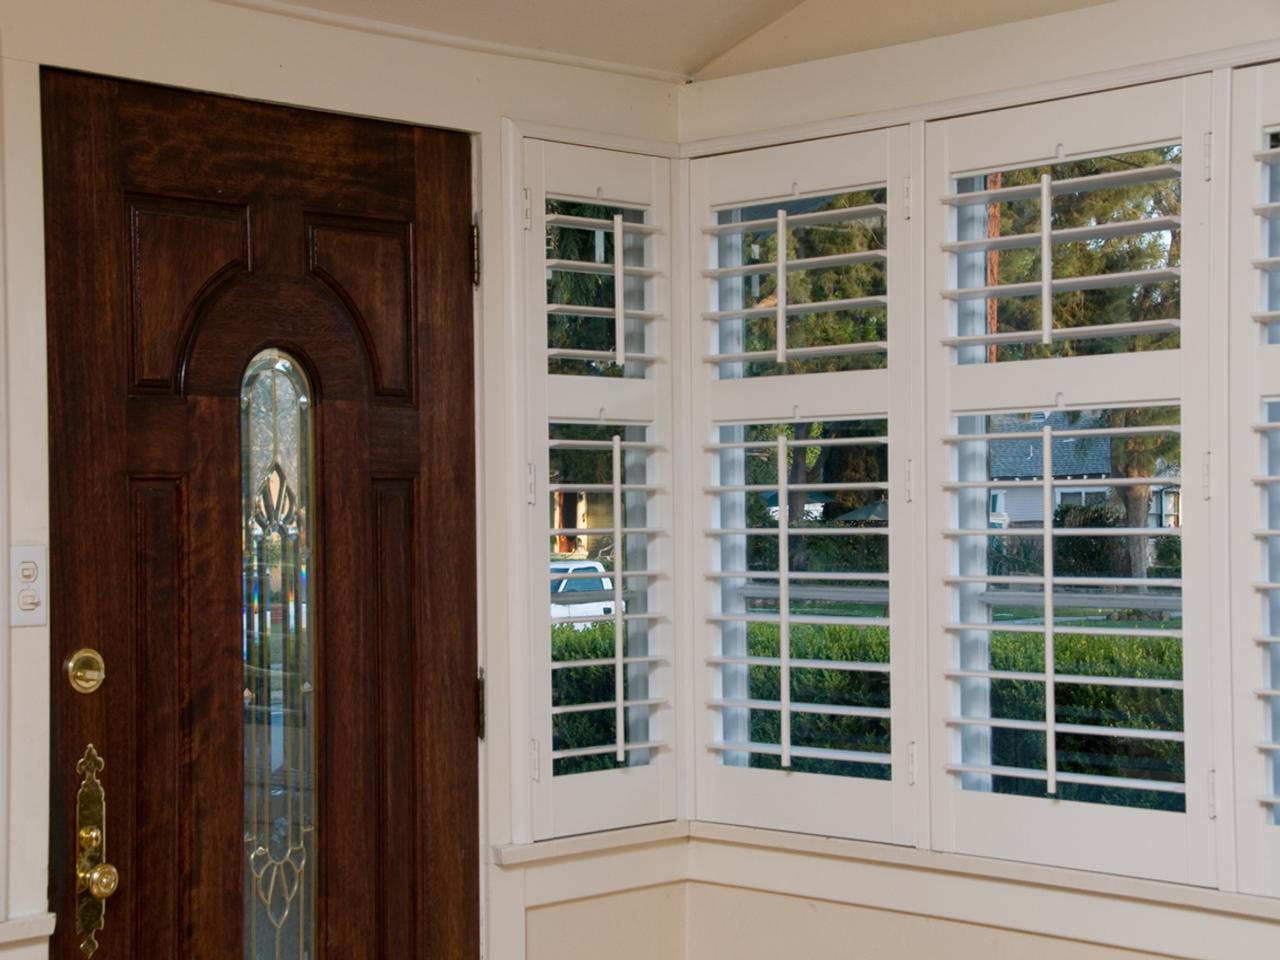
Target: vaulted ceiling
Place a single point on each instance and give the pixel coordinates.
(682, 38)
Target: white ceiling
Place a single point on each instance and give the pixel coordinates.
(680, 38)
(826, 28)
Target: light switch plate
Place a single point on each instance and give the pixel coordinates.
(28, 585)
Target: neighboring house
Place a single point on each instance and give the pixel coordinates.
(1078, 459)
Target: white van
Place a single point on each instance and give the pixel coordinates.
(580, 596)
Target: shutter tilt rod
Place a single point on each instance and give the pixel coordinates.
(784, 593)
(1050, 695)
(619, 685)
(1046, 259)
(780, 285)
(619, 293)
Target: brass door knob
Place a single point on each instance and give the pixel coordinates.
(101, 881)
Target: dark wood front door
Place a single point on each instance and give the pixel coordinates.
(283, 596)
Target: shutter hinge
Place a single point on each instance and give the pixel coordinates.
(1213, 794)
(535, 761)
(527, 210)
(1208, 473)
(908, 471)
(911, 764)
(530, 486)
(475, 252)
(906, 198)
(1208, 155)
(480, 704)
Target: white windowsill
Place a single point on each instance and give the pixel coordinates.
(888, 855)
(520, 854)
(37, 926)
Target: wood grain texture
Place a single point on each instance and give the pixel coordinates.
(368, 264)
(179, 252)
(185, 233)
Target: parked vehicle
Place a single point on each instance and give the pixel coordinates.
(580, 596)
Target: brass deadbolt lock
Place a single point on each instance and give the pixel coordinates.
(86, 670)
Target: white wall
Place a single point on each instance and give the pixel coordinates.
(728, 922)
(210, 46)
(1011, 57)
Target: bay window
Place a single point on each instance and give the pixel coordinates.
(932, 498)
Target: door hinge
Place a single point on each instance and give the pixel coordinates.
(911, 764)
(1208, 155)
(906, 198)
(907, 472)
(1208, 473)
(527, 210)
(480, 704)
(535, 761)
(1213, 794)
(530, 484)
(475, 252)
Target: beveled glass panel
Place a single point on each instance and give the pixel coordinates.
(279, 655)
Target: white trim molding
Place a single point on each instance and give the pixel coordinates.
(1068, 904)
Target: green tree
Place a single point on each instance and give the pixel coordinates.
(1144, 251)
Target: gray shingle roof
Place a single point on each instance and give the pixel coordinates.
(1072, 456)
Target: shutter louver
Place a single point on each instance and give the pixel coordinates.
(1036, 247)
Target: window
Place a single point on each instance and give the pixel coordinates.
(1069, 379)
(1068, 632)
(1074, 258)
(967, 521)
(600, 512)
(1254, 413)
(803, 252)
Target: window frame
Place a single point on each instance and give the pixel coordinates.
(1169, 846)
(777, 799)
(1254, 380)
(1218, 790)
(625, 796)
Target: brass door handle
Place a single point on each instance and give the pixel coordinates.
(100, 881)
(95, 878)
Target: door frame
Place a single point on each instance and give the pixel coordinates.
(55, 668)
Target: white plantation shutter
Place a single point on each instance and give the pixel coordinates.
(599, 420)
(1071, 635)
(804, 302)
(1254, 327)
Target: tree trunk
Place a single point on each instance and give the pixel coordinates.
(1137, 505)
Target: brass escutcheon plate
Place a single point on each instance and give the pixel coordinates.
(86, 670)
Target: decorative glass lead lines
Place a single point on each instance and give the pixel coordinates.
(279, 655)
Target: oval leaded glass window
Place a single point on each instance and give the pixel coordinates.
(279, 654)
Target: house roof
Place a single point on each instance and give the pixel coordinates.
(1072, 456)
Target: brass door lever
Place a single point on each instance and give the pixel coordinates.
(95, 878)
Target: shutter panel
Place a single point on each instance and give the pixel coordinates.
(1070, 692)
(802, 252)
(1255, 467)
(600, 404)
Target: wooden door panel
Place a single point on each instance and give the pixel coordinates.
(162, 771)
(179, 251)
(368, 264)
(186, 233)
